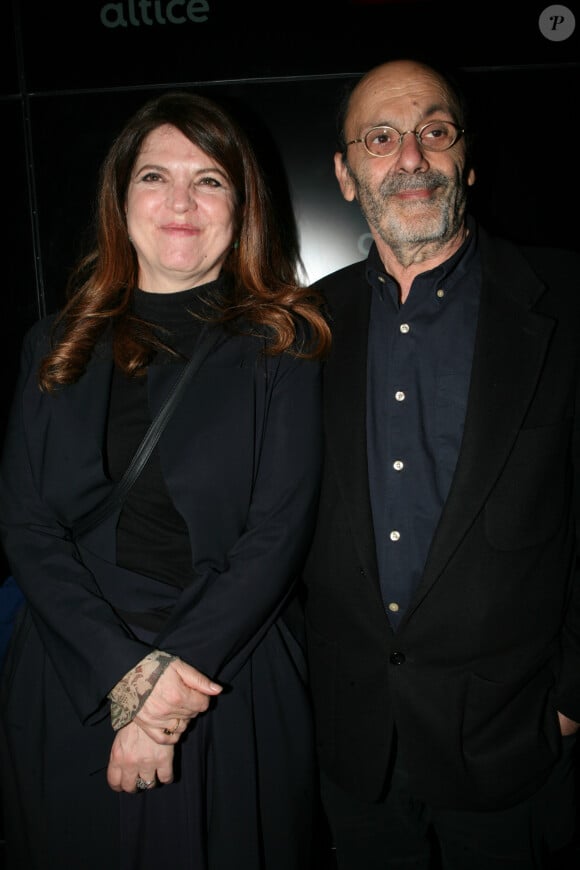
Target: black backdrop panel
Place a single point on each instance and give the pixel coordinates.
(94, 44)
(19, 303)
(8, 63)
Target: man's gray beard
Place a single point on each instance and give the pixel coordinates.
(439, 225)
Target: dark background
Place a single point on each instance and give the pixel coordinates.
(68, 82)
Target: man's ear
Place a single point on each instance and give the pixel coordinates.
(344, 178)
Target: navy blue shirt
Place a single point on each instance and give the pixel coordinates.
(419, 367)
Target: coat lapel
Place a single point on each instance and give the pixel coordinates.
(77, 419)
(88, 400)
(511, 343)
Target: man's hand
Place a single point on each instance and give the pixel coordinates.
(567, 726)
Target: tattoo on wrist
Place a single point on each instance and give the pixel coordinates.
(131, 692)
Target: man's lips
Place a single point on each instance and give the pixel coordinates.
(414, 193)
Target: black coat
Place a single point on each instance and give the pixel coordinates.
(241, 459)
(489, 648)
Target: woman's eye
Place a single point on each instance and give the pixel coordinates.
(151, 176)
(209, 181)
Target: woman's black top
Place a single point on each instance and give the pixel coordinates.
(152, 537)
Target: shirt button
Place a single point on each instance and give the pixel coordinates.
(400, 396)
(394, 535)
(393, 607)
(397, 658)
(404, 328)
(398, 465)
(440, 293)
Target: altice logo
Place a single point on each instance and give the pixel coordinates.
(149, 12)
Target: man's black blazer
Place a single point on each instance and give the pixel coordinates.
(489, 649)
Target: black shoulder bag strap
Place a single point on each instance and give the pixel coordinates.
(206, 341)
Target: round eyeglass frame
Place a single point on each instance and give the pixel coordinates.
(459, 131)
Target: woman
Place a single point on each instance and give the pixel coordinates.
(154, 706)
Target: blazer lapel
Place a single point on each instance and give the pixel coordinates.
(510, 346)
(88, 400)
(79, 416)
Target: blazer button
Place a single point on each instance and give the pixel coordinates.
(397, 658)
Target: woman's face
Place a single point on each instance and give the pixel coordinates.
(180, 213)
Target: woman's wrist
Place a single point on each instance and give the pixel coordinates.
(131, 692)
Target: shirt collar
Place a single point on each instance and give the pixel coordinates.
(449, 272)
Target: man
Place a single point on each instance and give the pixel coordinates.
(443, 604)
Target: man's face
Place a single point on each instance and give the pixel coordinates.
(415, 195)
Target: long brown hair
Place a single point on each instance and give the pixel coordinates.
(264, 290)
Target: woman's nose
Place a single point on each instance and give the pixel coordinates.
(182, 197)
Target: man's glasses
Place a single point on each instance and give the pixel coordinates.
(386, 141)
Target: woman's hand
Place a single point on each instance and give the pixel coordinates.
(180, 694)
(135, 757)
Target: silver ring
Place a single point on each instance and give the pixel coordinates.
(144, 784)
